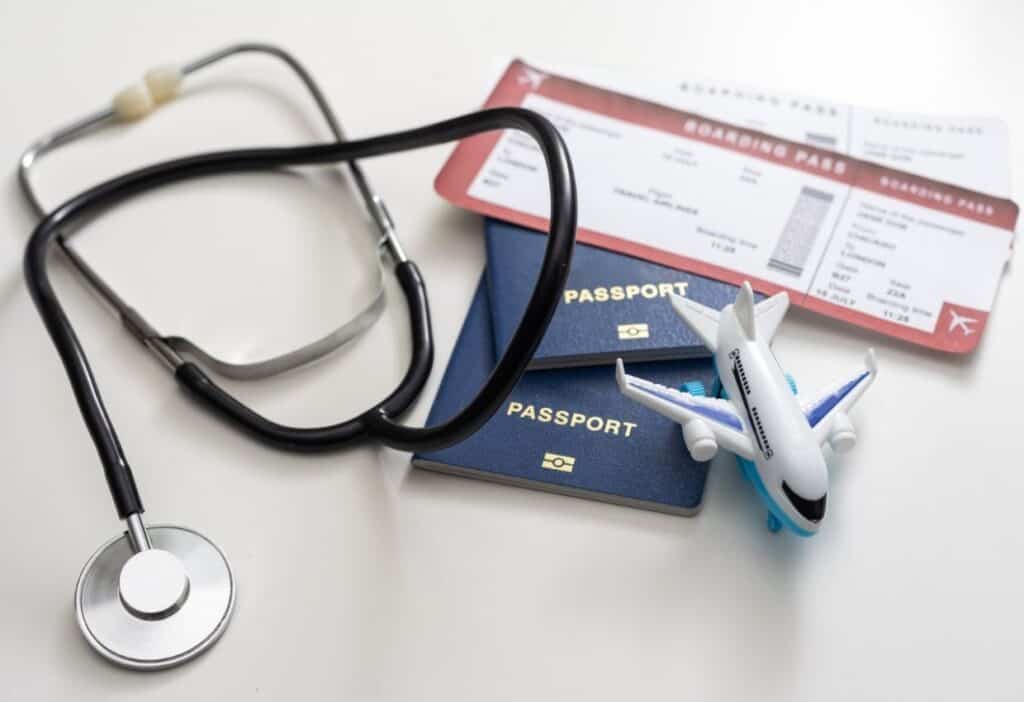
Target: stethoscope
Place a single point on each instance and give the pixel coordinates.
(157, 596)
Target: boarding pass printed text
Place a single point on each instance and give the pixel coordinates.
(971, 151)
(900, 254)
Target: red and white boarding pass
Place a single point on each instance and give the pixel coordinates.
(900, 254)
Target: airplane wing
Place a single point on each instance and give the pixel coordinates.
(769, 314)
(719, 415)
(839, 398)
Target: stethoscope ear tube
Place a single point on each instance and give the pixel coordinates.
(377, 423)
(159, 87)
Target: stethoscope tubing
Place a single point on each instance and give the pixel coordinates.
(378, 422)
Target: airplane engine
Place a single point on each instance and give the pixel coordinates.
(843, 437)
(700, 440)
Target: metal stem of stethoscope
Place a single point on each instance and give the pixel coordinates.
(156, 597)
(138, 537)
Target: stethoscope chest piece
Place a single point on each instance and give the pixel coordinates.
(155, 607)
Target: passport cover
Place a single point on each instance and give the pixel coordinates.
(570, 430)
(613, 305)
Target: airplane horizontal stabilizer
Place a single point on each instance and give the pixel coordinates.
(701, 319)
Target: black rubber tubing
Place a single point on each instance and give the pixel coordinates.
(377, 423)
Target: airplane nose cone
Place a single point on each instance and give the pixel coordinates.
(813, 510)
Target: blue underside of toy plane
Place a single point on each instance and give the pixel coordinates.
(776, 516)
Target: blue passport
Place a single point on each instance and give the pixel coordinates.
(613, 305)
(569, 430)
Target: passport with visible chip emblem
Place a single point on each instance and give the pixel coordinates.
(613, 305)
(569, 430)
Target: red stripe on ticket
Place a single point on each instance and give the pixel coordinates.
(890, 251)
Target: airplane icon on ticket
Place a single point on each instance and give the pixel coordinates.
(961, 322)
(531, 76)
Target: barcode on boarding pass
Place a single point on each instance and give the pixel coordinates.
(801, 231)
(825, 141)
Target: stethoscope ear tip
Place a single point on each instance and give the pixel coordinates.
(155, 607)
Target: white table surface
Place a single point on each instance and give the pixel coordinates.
(360, 579)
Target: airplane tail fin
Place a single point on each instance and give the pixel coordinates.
(744, 309)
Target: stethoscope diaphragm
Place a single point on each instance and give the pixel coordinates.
(158, 607)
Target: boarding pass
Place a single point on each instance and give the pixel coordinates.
(970, 151)
(901, 254)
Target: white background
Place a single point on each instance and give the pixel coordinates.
(360, 580)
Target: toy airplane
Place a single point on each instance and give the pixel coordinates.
(777, 438)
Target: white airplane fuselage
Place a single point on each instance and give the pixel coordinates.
(789, 468)
(777, 439)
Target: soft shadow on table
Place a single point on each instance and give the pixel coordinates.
(732, 580)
